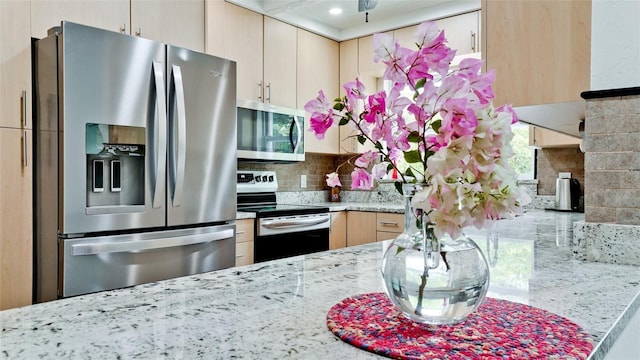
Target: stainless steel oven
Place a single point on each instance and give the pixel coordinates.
(282, 230)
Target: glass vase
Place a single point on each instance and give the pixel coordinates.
(430, 280)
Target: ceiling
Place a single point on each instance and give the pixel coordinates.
(313, 15)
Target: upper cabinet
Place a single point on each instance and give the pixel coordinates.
(280, 63)
(318, 69)
(15, 65)
(462, 32)
(539, 49)
(263, 48)
(366, 65)
(236, 33)
(176, 22)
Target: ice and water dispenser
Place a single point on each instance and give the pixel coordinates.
(115, 166)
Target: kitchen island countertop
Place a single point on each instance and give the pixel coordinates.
(278, 309)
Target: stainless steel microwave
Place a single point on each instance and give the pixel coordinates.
(269, 132)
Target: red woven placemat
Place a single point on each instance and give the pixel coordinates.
(498, 329)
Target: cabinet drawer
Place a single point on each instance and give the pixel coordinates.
(385, 235)
(244, 253)
(244, 230)
(388, 222)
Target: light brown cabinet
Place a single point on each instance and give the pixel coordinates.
(543, 138)
(176, 22)
(244, 242)
(462, 32)
(318, 69)
(539, 49)
(388, 225)
(16, 241)
(16, 138)
(264, 49)
(236, 33)
(349, 56)
(361, 227)
(338, 230)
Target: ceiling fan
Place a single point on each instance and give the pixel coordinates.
(366, 5)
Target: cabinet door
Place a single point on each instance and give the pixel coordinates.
(16, 249)
(349, 72)
(108, 14)
(361, 228)
(543, 138)
(15, 64)
(318, 69)
(539, 49)
(236, 33)
(462, 32)
(175, 22)
(244, 242)
(280, 49)
(338, 231)
(366, 65)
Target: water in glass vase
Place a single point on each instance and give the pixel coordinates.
(444, 294)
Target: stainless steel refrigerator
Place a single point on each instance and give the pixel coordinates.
(135, 161)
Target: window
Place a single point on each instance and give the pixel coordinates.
(523, 160)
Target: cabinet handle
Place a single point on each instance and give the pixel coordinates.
(123, 29)
(240, 232)
(25, 163)
(261, 89)
(23, 101)
(139, 32)
(268, 99)
(240, 256)
(473, 41)
(388, 223)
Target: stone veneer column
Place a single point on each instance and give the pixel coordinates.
(611, 230)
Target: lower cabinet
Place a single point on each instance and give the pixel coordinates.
(244, 242)
(16, 242)
(338, 230)
(388, 226)
(361, 227)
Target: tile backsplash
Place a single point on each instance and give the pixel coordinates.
(552, 161)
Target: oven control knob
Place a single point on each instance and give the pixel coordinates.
(264, 178)
(270, 178)
(258, 178)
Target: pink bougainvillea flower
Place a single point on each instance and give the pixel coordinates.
(366, 158)
(333, 180)
(376, 109)
(321, 115)
(360, 179)
(507, 109)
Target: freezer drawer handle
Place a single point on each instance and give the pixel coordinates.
(293, 223)
(140, 245)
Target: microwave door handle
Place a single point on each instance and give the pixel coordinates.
(182, 136)
(142, 245)
(295, 145)
(161, 142)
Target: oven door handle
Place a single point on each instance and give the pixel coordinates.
(284, 224)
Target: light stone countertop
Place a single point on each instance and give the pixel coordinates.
(278, 309)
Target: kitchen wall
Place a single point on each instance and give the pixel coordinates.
(551, 161)
(315, 167)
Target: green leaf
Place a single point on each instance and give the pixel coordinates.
(343, 121)
(412, 156)
(338, 106)
(362, 139)
(420, 83)
(337, 100)
(436, 125)
(409, 172)
(378, 145)
(390, 167)
(398, 186)
(414, 137)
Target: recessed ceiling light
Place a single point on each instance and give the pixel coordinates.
(335, 11)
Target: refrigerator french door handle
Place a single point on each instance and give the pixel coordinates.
(161, 141)
(182, 136)
(142, 245)
(299, 139)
